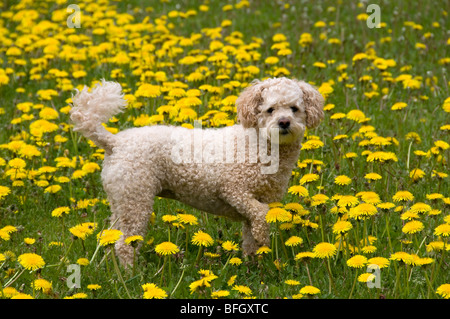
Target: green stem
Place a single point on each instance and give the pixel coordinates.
(65, 256)
(134, 261)
(397, 279)
(321, 227)
(430, 287)
(282, 242)
(331, 283)
(228, 260)
(433, 277)
(199, 255)
(116, 268)
(178, 283)
(353, 286)
(162, 273)
(14, 278)
(388, 233)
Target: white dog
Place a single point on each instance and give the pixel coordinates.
(213, 170)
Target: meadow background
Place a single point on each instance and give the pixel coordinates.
(371, 185)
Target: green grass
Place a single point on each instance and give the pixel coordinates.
(28, 207)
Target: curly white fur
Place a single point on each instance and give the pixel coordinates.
(95, 107)
(138, 164)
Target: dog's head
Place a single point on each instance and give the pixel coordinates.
(289, 106)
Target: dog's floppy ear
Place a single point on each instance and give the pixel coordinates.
(313, 104)
(247, 104)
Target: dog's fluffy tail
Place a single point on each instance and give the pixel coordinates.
(91, 109)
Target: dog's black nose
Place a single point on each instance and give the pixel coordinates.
(284, 123)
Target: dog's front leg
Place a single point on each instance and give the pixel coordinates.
(256, 212)
(255, 228)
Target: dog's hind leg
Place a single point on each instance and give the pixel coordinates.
(131, 205)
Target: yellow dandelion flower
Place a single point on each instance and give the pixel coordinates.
(398, 106)
(166, 248)
(230, 246)
(442, 145)
(403, 257)
(58, 212)
(381, 262)
(319, 199)
(263, 250)
(41, 284)
(350, 155)
(319, 65)
(423, 261)
(94, 287)
(420, 208)
(298, 190)
(278, 214)
(409, 215)
(369, 197)
(151, 291)
(337, 116)
(235, 261)
(403, 196)
(187, 219)
(169, 218)
(309, 290)
(324, 250)
(109, 236)
(442, 230)
(366, 277)
(294, 241)
(347, 201)
(31, 261)
(148, 90)
(357, 261)
(416, 174)
(83, 261)
(201, 238)
(369, 249)
(83, 230)
(382, 157)
(4, 191)
(308, 178)
(242, 289)
(372, 176)
(356, 115)
(342, 180)
(304, 256)
(295, 208)
(413, 227)
(386, 205)
(220, 294)
(29, 241)
(271, 60)
(362, 211)
(444, 291)
(342, 226)
(21, 296)
(133, 240)
(292, 282)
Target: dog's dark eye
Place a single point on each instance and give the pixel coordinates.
(294, 109)
(270, 110)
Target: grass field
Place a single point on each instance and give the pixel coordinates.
(371, 186)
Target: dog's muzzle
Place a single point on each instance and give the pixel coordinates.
(284, 125)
